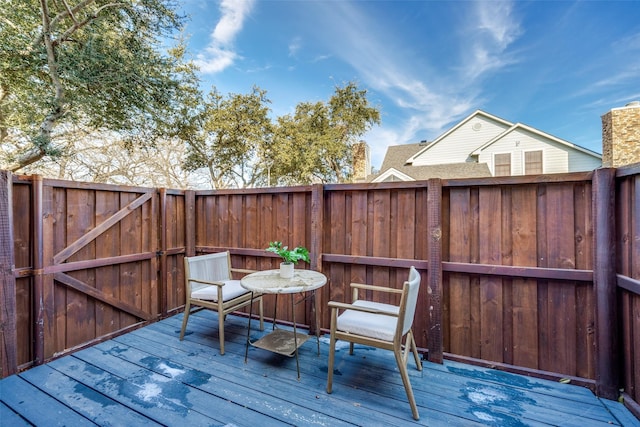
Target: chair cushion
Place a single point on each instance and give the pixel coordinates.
(230, 290)
(368, 324)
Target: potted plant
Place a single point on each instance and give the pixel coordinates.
(289, 257)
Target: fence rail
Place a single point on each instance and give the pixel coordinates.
(524, 273)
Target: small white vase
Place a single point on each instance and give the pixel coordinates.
(286, 270)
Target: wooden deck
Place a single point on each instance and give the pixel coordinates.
(148, 377)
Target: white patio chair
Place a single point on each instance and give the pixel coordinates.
(209, 284)
(379, 325)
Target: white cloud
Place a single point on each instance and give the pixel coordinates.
(495, 30)
(431, 99)
(295, 46)
(220, 53)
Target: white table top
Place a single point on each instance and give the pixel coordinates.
(270, 282)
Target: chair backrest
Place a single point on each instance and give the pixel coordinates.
(210, 267)
(412, 287)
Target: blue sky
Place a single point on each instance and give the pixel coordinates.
(557, 66)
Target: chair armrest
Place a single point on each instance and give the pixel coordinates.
(344, 306)
(376, 288)
(206, 282)
(242, 270)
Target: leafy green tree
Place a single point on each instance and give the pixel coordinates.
(231, 143)
(95, 64)
(315, 143)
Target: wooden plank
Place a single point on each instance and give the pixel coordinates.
(190, 222)
(506, 244)
(250, 228)
(143, 394)
(336, 203)
(221, 221)
(628, 342)
(8, 315)
(381, 210)
(80, 308)
(491, 300)
(299, 232)
(434, 280)
(633, 388)
(544, 334)
(130, 242)
(164, 233)
(22, 247)
(38, 407)
(106, 298)
(358, 230)
(267, 221)
(495, 393)
(459, 290)
(38, 266)
(54, 222)
(585, 321)
(236, 221)
(316, 246)
(10, 418)
(474, 281)
(149, 277)
(239, 395)
(406, 224)
(369, 393)
(100, 228)
(525, 291)
(92, 404)
(354, 260)
(278, 384)
(107, 245)
(561, 298)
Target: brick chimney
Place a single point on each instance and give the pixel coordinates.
(621, 136)
(361, 161)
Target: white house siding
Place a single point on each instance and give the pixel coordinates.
(556, 157)
(456, 147)
(579, 162)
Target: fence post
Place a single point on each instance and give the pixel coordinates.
(190, 222)
(604, 280)
(39, 296)
(162, 251)
(434, 282)
(8, 334)
(316, 246)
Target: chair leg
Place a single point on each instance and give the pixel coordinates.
(402, 367)
(332, 349)
(185, 319)
(414, 349)
(221, 319)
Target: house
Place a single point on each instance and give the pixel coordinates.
(485, 145)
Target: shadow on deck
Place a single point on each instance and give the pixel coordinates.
(149, 377)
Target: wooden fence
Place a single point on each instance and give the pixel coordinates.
(533, 274)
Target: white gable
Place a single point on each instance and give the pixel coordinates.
(558, 156)
(457, 144)
(392, 174)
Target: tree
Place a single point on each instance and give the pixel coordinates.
(231, 144)
(104, 158)
(95, 64)
(315, 143)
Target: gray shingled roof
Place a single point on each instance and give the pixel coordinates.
(397, 156)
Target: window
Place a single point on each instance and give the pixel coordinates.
(533, 162)
(502, 164)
